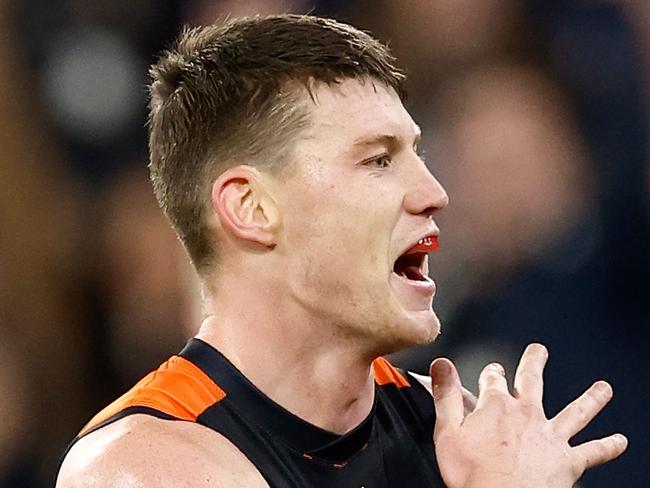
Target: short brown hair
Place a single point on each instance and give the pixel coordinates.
(225, 94)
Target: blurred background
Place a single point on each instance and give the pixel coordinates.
(535, 116)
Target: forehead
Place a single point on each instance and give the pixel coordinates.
(354, 110)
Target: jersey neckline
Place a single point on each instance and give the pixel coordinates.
(248, 400)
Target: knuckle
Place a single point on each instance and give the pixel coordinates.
(582, 413)
(528, 376)
(531, 410)
(497, 399)
(440, 394)
(598, 395)
(604, 450)
(616, 444)
(603, 446)
(578, 411)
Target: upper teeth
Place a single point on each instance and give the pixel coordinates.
(426, 241)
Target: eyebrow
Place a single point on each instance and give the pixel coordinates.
(388, 140)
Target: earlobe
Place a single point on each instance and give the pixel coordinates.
(244, 207)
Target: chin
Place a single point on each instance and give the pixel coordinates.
(424, 327)
(410, 330)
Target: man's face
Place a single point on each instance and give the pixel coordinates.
(358, 199)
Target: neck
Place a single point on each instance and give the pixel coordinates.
(297, 362)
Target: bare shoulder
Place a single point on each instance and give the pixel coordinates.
(142, 451)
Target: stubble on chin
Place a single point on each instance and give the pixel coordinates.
(392, 336)
(416, 332)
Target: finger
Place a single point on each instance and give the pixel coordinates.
(529, 382)
(600, 451)
(491, 381)
(469, 401)
(447, 394)
(577, 414)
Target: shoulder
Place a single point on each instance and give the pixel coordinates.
(142, 451)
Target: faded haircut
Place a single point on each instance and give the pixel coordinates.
(235, 94)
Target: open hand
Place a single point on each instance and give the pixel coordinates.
(507, 441)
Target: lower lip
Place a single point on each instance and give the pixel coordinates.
(426, 289)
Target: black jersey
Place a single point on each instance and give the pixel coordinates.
(392, 447)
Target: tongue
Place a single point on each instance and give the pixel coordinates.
(426, 245)
(413, 273)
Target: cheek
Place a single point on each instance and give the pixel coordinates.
(340, 232)
(334, 261)
(326, 281)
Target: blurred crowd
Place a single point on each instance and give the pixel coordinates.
(535, 118)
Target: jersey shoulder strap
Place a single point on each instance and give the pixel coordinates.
(178, 389)
(386, 374)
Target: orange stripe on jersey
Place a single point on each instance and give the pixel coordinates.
(385, 373)
(178, 388)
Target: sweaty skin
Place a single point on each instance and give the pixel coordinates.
(305, 295)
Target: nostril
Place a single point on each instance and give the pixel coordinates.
(429, 211)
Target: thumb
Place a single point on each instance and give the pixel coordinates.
(447, 394)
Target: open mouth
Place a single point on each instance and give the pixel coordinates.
(413, 264)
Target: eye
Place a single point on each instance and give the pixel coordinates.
(383, 161)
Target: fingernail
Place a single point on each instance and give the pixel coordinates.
(442, 367)
(445, 367)
(621, 439)
(540, 349)
(498, 368)
(605, 388)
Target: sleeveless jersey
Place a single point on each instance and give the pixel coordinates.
(391, 448)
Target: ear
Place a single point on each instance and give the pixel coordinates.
(245, 207)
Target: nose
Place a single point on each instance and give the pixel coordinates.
(426, 195)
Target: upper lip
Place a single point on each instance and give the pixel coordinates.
(432, 232)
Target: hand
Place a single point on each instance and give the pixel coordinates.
(469, 400)
(507, 441)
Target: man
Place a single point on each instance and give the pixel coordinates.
(285, 160)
